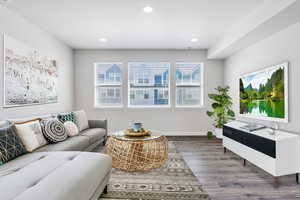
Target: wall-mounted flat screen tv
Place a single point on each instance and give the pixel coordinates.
(264, 94)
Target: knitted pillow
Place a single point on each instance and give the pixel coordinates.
(31, 134)
(10, 144)
(71, 128)
(54, 130)
(66, 117)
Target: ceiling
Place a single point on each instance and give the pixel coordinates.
(172, 24)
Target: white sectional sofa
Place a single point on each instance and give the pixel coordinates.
(60, 171)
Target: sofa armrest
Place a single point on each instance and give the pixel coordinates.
(98, 123)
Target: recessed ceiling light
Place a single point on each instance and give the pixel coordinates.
(102, 39)
(194, 40)
(148, 9)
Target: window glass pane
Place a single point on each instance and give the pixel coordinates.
(108, 83)
(108, 73)
(108, 95)
(188, 73)
(188, 84)
(188, 96)
(149, 84)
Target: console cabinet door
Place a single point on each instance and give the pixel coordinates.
(255, 142)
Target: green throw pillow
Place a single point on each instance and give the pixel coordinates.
(66, 117)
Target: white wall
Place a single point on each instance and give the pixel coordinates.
(169, 120)
(21, 29)
(282, 46)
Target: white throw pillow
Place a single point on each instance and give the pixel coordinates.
(31, 134)
(81, 120)
(71, 128)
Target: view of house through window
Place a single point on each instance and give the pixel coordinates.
(148, 84)
(188, 84)
(108, 84)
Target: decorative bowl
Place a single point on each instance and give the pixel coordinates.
(133, 133)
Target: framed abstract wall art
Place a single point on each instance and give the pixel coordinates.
(29, 78)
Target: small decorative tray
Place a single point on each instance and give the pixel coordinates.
(131, 132)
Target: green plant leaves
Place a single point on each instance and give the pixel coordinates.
(215, 105)
(231, 113)
(209, 113)
(221, 105)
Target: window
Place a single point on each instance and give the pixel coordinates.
(189, 86)
(148, 84)
(108, 84)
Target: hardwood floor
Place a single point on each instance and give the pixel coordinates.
(224, 177)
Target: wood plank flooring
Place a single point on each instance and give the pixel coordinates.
(224, 177)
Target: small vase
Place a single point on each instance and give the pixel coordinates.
(137, 127)
(219, 133)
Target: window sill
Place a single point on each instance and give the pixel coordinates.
(190, 107)
(108, 107)
(149, 107)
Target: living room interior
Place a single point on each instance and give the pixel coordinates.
(149, 100)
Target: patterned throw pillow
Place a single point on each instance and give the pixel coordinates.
(31, 134)
(81, 120)
(54, 130)
(10, 144)
(71, 128)
(66, 117)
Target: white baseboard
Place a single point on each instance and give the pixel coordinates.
(183, 133)
(180, 133)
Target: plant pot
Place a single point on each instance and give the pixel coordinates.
(219, 133)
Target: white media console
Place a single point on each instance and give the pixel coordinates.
(277, 154)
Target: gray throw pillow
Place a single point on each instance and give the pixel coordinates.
(81, 120)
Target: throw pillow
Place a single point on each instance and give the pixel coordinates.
(54, 130)
(10, 144)
(81, 120)
(31, 134)
(66, 117)
(71, 128)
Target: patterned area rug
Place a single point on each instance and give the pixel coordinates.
(173, 181)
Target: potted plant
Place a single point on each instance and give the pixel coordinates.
(222, 111)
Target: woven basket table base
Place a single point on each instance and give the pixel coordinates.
(138, 155)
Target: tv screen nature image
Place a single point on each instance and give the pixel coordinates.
(262, 93)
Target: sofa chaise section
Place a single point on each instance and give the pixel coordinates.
(55, 175)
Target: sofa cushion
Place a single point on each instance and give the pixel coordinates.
(53, 175)
(71, 128)
(10, 143)
(54, 130)
(31, 135)
(94, 134)
(81, 120)
(76, 143)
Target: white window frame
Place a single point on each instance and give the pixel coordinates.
(96, 85)
(149, 106)
(201, 85)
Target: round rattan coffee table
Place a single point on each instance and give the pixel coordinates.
(137, 153)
